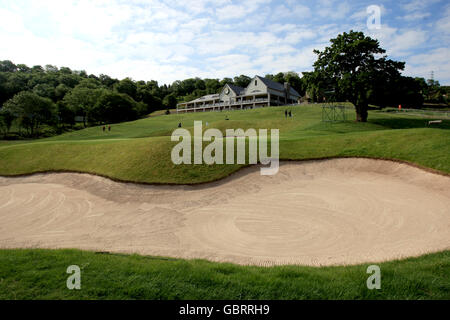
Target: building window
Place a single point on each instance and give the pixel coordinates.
(256, 82)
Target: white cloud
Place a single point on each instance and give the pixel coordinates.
(333, 10)
(416, 16)
(416, 5)
(195, 25)
(241, 10)
(297, 10)
(277, 27)
(443, 24)
(168, 40)
(435, 60)
(399, 42)
(296, 36)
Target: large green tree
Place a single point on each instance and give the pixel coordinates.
(127, 86)
(242, 80)
(6, 120)
(81, 100)
(354, 68)
(113, 107)
(151, 102)
(434, 92)
(7, 66)
(66, 115)
(170, 101)
(31, 110)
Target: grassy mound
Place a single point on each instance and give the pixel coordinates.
(139, 151)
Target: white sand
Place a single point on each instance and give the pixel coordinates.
(341, 211)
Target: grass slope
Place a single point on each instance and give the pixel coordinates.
(139, 151)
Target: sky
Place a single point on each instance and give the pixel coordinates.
(179, 39)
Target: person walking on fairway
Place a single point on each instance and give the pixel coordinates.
(104, 128)
(290, 114)
(109, 128)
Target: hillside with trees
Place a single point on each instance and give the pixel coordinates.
(61, 99)
(35, 97)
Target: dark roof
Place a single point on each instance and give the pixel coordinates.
(277, 86)
(238, 90)
(294, 92)
(272, 84)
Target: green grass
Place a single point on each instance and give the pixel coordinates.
(41, 274)
(139, 151)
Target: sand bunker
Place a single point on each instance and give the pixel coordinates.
(341, 211)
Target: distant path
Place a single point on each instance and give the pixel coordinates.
(340, 211)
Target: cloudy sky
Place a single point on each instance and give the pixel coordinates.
(178, 39)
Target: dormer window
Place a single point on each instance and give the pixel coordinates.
(256, 82)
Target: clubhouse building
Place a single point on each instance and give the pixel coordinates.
(261, 92)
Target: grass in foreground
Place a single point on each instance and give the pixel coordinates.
(41, 274)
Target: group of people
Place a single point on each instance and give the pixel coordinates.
(104, 128)
(287, 113)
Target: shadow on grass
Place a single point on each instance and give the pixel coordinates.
(405, 123)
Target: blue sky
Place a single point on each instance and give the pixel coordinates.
(178, 39)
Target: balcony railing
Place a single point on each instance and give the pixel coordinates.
(223, 104)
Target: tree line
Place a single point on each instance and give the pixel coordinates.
(35, 96)
(352, 68)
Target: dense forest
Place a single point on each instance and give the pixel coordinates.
(33, 97)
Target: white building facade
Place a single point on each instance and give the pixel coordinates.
(260, 92)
